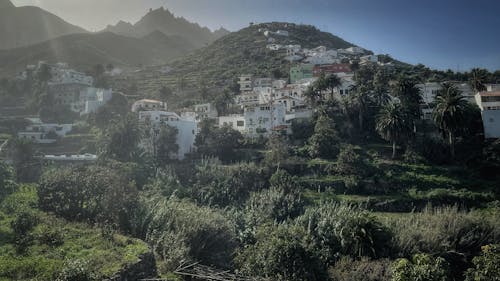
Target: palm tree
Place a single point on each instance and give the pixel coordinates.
(449, 112)
(393, 124)
(332, 82)
(360, 101)
(478, 77)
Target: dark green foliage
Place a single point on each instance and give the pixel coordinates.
(22, 225)
(394, 124)
(277, 151)
(94, 194)
(486, 266)
(180, 231)
(216, 185)
(218, 142)
(347, 269)
(166, 147)
(325, 141)
(442, 230)
(282, 253)
(7, 183)
(341, 229)
(302, 129)
(117, 108)
(282, 201)
(76, 270)
(27, 168)
(422, 267)
(349, 162)
(121, 139)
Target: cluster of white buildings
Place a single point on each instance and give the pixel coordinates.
(71, 88)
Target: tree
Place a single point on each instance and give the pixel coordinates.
(360, 101)
(422, 267)
(478, 78)
(121, 139)
(223, 101)
(324, 142)
(328, 83)
(449, 111)
(410, 96)
(23, 223)
(166, 146)
(218, 142)
(26, 166)
(44, 74)
(393, 124)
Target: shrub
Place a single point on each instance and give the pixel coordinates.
(76, 270)
(440, 230)
(282, 254)
(349, 162)
(347, 269)
(422, 267)
(181, 231)
(342, 229)
(486, 266)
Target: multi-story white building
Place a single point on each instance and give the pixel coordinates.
(187, 130)
(489, 103)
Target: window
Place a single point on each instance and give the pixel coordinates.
(240, 123)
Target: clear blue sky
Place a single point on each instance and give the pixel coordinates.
(456, 34)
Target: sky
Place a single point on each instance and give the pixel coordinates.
(442, 34)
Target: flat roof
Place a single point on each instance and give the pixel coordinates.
(490, 94)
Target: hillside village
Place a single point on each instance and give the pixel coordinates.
(275, 153)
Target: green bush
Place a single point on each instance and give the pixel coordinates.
(486, 266)
(441, 230)
(422, 267)
(281, 253)
(347, 269)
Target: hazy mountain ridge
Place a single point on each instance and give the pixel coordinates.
(164, 21)
(84, 50)
(28, 25)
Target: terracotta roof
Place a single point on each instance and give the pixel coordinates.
(490, 94)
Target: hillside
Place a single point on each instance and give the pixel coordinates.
(23, 26)
(237, 53)
(84, 50)
(57, 246)
(245, 52)
(164, 21)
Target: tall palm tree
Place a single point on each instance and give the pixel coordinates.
(449, 112)
(477, 79)
(360, 100)
(393, 124)
(332, 82)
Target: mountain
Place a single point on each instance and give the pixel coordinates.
(23, 26)
(245, 51)
(84, 50)
(164, 21)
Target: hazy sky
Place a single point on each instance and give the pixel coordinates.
(456, 34)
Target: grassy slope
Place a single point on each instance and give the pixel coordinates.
(81, 242)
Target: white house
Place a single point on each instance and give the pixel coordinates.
(148, 104)
(369, 58)
(264, 118)
(489, 103)
(187, 129)
(44, 133)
